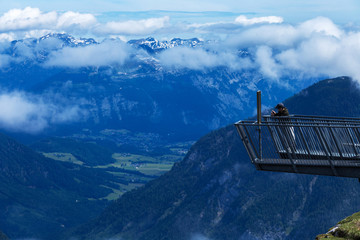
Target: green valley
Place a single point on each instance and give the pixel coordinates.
(133, 169)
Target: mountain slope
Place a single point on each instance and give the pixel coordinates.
(332, 97)
(40, 197)
(215, 191)
(3, 236)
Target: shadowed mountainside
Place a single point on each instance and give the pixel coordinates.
(41, 197)
(215, 191)
(3, 236)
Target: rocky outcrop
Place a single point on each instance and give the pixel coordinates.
(347, 229)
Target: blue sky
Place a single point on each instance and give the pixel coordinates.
(291, 10)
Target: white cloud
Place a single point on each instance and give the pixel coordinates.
(26, 19)
(315, 48)
(183, 57)
(285, 35)
(200, 59)
(22, 112)
(33, 33)
(266, 62)
(6, 37)
(71, 19)
(29, 22)
(243, 20)
(140, 27)
(270, 35)
(323, 55)
(106, 53)
(320, 25)
(32, 22)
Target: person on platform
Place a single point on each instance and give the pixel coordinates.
(282, 111)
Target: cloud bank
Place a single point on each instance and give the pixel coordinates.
(144, 26)
(32, 19)
(312, 49)
(105, 53)
(23, 112)
(250, 21)
(281, 53)
(201, 59)
(32, 22)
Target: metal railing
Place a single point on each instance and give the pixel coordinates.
(304, 144)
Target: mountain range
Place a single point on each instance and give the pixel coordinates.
(215, 192)
(139, 95)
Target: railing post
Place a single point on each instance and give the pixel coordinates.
(258, 100)
(249, 146)
(326, 148)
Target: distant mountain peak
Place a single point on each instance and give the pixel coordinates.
(150, 44)
(153, 45)
(69, 40)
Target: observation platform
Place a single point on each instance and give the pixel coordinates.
(316, 145)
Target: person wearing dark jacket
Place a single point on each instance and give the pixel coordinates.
(289, 133)
(282, 110)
